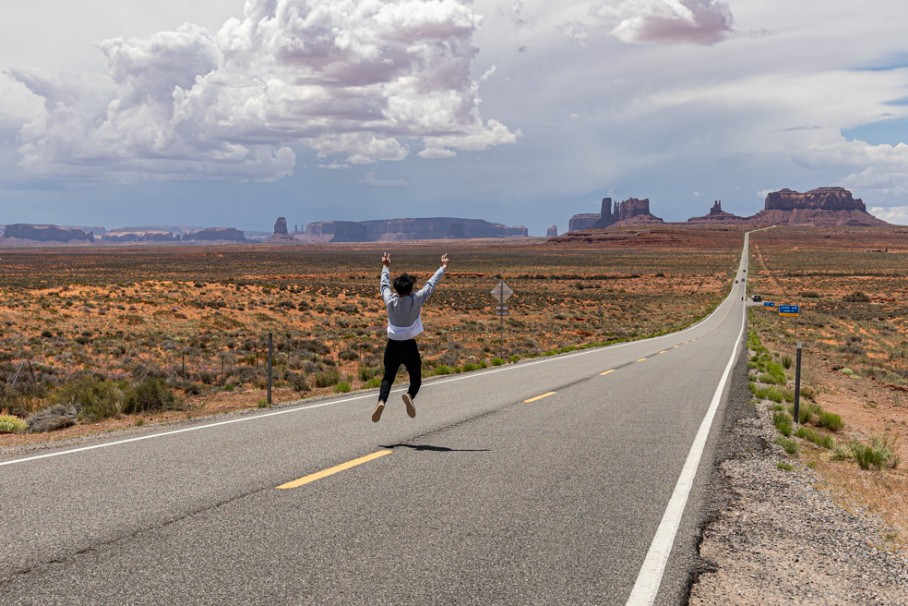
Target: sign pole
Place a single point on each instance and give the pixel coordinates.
(270, 361)
(501, 327)
(797, 402)
(501, 292)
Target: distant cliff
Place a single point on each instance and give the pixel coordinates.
(216, 234)
(408, 229)
(139, 236)
(47, 233)
(824, 206)
(822, 198)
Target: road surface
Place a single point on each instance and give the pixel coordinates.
(561, 480)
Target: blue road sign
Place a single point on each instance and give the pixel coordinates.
(789, 310)
(769, 303)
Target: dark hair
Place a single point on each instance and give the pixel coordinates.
(403, 284)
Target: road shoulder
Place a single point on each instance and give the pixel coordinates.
(770, 537)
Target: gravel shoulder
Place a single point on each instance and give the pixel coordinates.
(772, 538)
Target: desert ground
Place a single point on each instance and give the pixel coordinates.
(852, 289)
(197, 319)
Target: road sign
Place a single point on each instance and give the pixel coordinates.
(769, 304)
(502, 292)
(789, 310)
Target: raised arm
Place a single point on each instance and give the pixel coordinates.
(426, 291)
(385, 283)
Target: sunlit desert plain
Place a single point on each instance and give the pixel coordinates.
(198, 318)
(150, 334)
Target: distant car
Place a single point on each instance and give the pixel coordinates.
(756, 298)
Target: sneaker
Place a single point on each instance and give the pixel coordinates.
(408, 400)
(378, 410)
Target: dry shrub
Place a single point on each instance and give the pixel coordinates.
(150, 394)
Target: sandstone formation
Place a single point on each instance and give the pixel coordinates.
(47, 233)
(216, 234)
(631, 211)
(822, 198)
(824, 206)
(717, 215)
(583, 221)
(408, 229)
(552, 232)
(138, 235)
(281, 232)
(335, 231)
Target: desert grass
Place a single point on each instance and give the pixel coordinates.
(852, 285)
(198, 318)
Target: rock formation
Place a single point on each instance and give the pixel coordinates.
(822, 198)
(824, 206)
(717, 215)
(216, 234)
(335, 231)
(552, 232)
(408, 229)
(583, 221)
(280, 227)
(47, 233)
(632, 210)
(124, 235)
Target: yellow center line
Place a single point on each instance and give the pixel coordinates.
(663, 351)
(545, 395)
(607, 372)
(642, 360)
(333, 470)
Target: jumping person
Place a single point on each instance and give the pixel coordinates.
(404, 323)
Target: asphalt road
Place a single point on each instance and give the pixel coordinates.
(491, 495)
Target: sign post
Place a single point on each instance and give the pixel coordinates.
(797, 402)
(270, 362)
(502, 292)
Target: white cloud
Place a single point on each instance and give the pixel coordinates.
(517, 14)
(878, 172)
(482, 136)
(576, 31)
(346, 78)
(893, 214)
(673, 21)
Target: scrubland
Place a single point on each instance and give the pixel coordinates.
(111, 336)
(852, 288)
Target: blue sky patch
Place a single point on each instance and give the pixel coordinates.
(890, 132)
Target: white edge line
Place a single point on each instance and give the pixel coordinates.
(358, 397)
(177, 431)
(646, 588)
(331, 403)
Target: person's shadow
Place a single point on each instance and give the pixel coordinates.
(430, 448)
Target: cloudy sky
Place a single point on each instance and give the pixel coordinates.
(225, 113)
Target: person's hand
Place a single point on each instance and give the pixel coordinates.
(444, 260)
(386, 259)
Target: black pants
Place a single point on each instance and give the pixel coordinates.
(397, 353)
